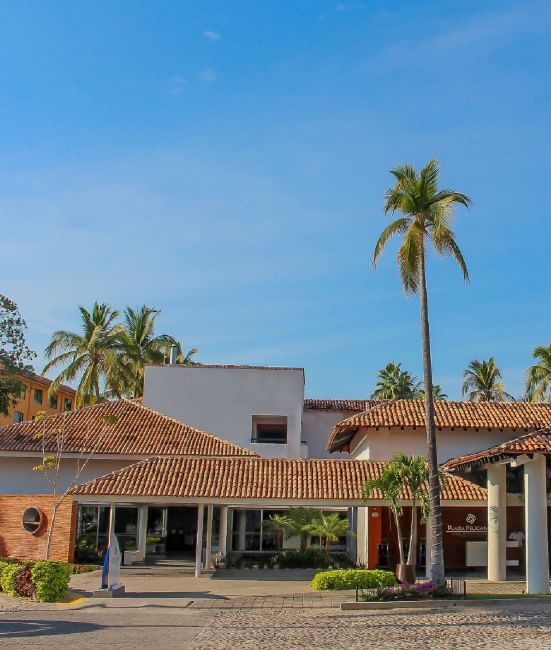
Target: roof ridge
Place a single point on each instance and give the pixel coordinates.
(141, 405)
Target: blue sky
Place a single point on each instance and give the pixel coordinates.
(227, 163)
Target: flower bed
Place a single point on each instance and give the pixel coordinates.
(45, 580)
(418, 591)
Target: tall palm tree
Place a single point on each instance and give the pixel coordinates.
(94, 355)
(482, 382)
(140, 345)
(395, 383)
(538, 380)
(427, 212)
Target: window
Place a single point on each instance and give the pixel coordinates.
(67, 404)
(38, 395)
(32, 520)
(53, 401)
(269, 429)
(22, 393)
(18, 416)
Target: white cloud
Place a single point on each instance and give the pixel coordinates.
(207, 76)
(175, 85)
(212, 36)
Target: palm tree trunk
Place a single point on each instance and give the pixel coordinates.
(400, 540)
(412, 552)
(437, 554)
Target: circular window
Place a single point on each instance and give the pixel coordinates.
(32, 520)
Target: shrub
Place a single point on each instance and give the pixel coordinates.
(7, 579)
(51, 579)
(339, 579)
(22, 580)
(3, 564)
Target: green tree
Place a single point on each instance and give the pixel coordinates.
(395, 383)
(437, 393)
(297, 522)
(93, 357)
(141, 346)
(538, 380)
(389, 485)
(280, 525)
(330, 528)
(183, 358)
(482, 382)
(14, 353)
(413, 473)
(426, 213)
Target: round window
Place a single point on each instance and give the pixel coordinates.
(32, 520)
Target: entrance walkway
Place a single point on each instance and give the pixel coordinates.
(244, 589)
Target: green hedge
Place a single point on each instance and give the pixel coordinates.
(46, 580)
(7, 579)
(352, 578)
(51, 580)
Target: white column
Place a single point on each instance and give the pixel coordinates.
(242, 529)
(497, 522)
(142, 531)
(208, 551)
(199, 540)
(535, 508)
(223, 534)
(428, 548)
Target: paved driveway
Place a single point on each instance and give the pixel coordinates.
(115, 625)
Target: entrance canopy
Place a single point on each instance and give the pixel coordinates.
(248, 479)
(530, 452)
(538, 442)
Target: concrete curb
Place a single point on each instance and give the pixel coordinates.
(441, 604)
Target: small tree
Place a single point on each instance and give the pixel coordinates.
(296, 522)
(389, 484)
(330, 528)
(14, 353)
(413, 472)
(54, 443)
(280, 525)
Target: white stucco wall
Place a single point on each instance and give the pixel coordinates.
(17, 475)
(223, 401)
(382, 444)
(316, 427)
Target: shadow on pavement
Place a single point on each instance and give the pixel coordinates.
(12, 629)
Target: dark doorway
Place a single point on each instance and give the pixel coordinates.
(181, 531)
(171, 532)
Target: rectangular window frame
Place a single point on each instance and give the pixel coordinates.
(261, 425)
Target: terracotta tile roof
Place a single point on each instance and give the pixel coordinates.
(138, 431)
(514, 416)
(254, 478)
(340, 404)
(537, 442)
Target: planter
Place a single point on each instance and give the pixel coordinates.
(405, 574)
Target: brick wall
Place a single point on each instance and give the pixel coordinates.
(16, 542)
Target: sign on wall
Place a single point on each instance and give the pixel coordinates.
(468, 526)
